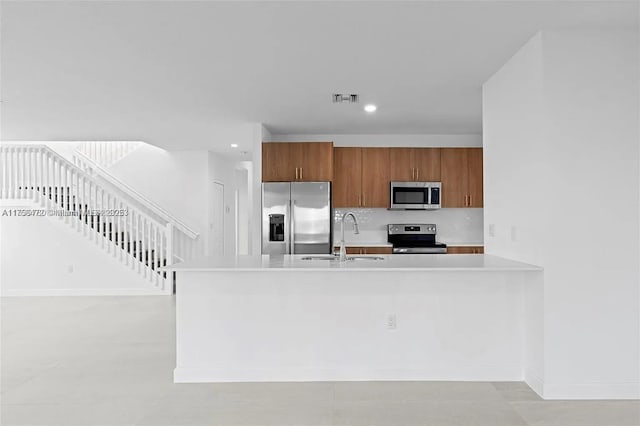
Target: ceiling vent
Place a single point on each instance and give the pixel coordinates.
(345, 98)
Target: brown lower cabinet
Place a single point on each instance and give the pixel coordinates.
(367, 250)
(465, 249)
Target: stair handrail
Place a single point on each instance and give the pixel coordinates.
(155, 208)
(78, 170)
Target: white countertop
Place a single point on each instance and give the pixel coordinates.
(408, 262)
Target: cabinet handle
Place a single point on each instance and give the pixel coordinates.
(364, 200)
(417, 173)
(359, 200)
(466, 200)
(470, 201)
(296, 173)
(301, 173)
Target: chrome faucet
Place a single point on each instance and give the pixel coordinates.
(343, 250)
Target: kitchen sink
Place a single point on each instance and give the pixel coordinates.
(337, 259)
(365, 258)
(326, 257)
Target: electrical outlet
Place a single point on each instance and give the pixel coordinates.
(492, 230)
(392, 322)
(70, 269)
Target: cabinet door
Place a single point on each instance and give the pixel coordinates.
(375, 177)
(427, 164)
(474, 160)
(459, 250)
(315, 161)
(378, 250)
(465, 249)
(402, 164)
(277, 163)
(454, 176)
(347, 177)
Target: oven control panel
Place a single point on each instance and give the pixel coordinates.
(409, 228)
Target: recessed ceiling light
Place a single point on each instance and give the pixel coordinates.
(370, 108)
(234, 145)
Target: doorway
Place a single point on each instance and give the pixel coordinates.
(216, 220)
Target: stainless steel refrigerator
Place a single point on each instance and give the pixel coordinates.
(296, 218)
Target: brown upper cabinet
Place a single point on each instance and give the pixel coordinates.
(414, 164)
(297, 161)
(361, 177)
(461, 177)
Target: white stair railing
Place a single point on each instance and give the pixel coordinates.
(107, 218)
(107, 153)
(91, 167)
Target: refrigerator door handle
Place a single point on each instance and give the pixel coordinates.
(292, 238)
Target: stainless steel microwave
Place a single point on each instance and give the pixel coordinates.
(415, 195)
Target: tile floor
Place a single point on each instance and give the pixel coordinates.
(109, 360)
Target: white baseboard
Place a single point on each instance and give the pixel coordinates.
(481, 374)
(592, 391)
(535, 382)
(85, 292)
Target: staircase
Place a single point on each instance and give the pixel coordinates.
(125, 226)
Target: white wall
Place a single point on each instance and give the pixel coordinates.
(260, 134)
(561, 173)
(43, 256)
(463, 140)
(175, 180)
(462, 226)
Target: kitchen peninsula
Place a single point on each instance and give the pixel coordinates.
(401, 317)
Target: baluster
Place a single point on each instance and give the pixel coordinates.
(103, 222)
(155, 255)
(27, 171)
(3, 151)
(120, 231)
(132, 237)
(55, 181)
(32, 173)
(161, 253)
(65, 192)
(45, 177)
(138, 243)
(127, 238)
(143, 246)
(37, 184)
(114, 226)
(82, 199)
(20, 173)
(72, 200)
(149, 251)
(12, 174)
(108, 224)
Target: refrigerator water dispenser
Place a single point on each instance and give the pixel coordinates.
(276, 227)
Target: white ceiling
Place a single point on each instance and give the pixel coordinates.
(175, 73)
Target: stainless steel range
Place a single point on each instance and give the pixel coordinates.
(414, 239)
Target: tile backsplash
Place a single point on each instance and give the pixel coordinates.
(454, 225)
